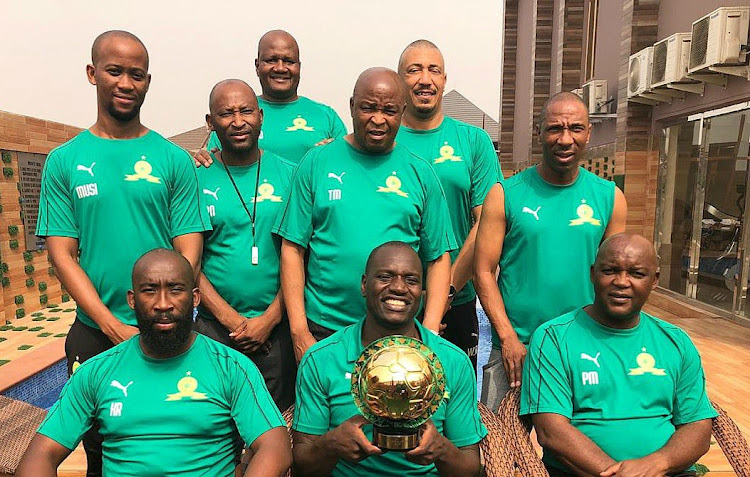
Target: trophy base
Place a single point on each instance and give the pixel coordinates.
(395, 439)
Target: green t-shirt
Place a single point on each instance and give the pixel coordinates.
(344, 203)
(466, 163)
(324, 399)
(626, 390)
(227, 249)
(551, 239)
(292, 129)
(176, 416)
(120, 198)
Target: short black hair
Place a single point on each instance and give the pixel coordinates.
(392, 244)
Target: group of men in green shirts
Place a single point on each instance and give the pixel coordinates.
(281, 220)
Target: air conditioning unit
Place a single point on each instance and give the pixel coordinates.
(671, 58)
(639, 72)
(594, 95)
(718, 39)
(578, 92)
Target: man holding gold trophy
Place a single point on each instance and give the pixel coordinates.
(416, 390)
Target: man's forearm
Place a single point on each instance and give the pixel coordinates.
(82, 290)
(293, 285)
(271, 459)
(462, 269)
(313, 459)
(438, 283)
(493, 305)
(217, 305)
(191, 247)
(275, 310)
(571, 447)
(464, 462)
(686, 446)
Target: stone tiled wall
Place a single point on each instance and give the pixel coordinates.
(28, 282)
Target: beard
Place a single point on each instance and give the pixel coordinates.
(166, 343)
(124, 116)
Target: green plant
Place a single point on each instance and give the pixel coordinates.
(43, 299)
(29, 269)
(29, 282)
(7, 157)
(13, 244)
(4, 267)
(13, 230)
(701, 470)
(51, 271)
(18, 299)
(28, 256)
(65, 297)
(42, 286)
(6, 281)
(20, 313)
(8, 172)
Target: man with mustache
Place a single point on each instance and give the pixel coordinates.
(168, 401)
(466, 164)
(241, 302)
(331, 437)
(613, 391)
(542, 227)
(293, 124)
(346, 198)
(115, 191)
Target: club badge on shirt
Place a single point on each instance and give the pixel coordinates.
(142, 171)
(393, 185)
(187, 388)
(585, 215)
(446, 154)
(646, 365)
(300, 124)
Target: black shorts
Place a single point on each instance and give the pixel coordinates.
(278, 366)
(84, 342)
(463, 328)
(319, 332)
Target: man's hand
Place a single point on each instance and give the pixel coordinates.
(117, 331)
(649, 466)
(302, 342)
(514, 354)
(432, 446)
(203, 158)
(348, 442)
(252, 333)
(324, 142)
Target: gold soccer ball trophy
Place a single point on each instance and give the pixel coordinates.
(397, 384)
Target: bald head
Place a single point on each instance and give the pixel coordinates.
(389, 249)
(623, 275)
(563, 97)
(414, 45)
(162, 258)
(631, 244)
(100, 40)
(273, 37)
(371, 78)
(226, 86)
(377, 106)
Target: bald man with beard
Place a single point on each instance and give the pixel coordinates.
(168, 401)
(292, 124)
(347, 198)
(612, 390)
